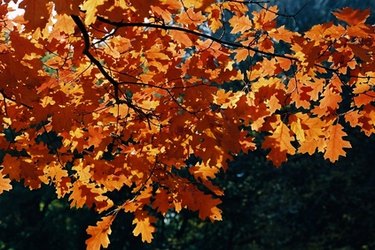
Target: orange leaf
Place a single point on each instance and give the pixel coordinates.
(99, 233)
(197, 4)
(246, 143)
(279, 143)
(143, 227)
(181, 38)
(284, 63)
(329, 103)
(96, 136)
(264, 19)
(240, 24)
(191, 17)
(335, 143)
(352, 118)
(4, 183)
(365, 98)
(283, 34)
(351, 16)
(242, 54)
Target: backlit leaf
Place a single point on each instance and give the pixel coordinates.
(335, 143)
(99, 234)
(144, 228)
(4, 183)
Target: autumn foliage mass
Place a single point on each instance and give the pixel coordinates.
(151, 99)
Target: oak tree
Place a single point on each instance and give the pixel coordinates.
(151, 99)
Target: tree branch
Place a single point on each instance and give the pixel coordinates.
(115, 84)
(192, 32)
(6, 97)
(86, 51)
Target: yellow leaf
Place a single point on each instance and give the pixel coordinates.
(90, 7)
(197, 4)
(297, 129)
(64, 24)
(47, 100)
(53, 172)
(204, 171)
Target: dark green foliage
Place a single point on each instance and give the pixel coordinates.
(35, 220)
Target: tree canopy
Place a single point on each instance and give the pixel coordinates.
(136, 106)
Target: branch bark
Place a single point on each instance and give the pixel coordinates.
(192, 32)
(86, 51)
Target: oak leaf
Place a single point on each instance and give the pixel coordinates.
(335, 143)
(203, 171)
(280, 144)
(101, 95)
(91, 9)
(67, 7)
(144, 227)
(162, 201)
(208, 207)
(240, 24)
(64, 24)
(4, 183)
(37, 13)
(197, 4)
(242, 54)
(99, 234)
(351, 16)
